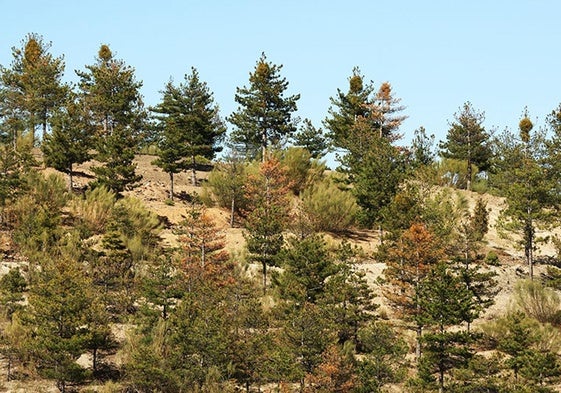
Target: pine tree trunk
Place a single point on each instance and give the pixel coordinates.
(469, 175)
(264, 145)
(44, 130)
(418, 343)
(203, 254)
(171, 186)
(232, 210)
(530, 245)
(193, 171)
(264, 278)
(94, 360)
(468, 185)
(70, 173)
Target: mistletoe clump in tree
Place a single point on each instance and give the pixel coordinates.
(528, 185)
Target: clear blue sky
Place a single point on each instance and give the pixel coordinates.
(500, 55)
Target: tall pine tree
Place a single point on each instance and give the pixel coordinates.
(188, 126)
(110, 94)
(468, 141)
(346, 108)
(529, 188)
(32, 87)
(264, 115)
(69, 141)
(267, 192)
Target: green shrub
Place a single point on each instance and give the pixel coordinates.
(302, 169)
(453, 173)
(492, 258)
(537, 301)
(38, 214)
(226, 184)
(329, 208)
(94, 210)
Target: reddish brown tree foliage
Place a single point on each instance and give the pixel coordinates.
(203, 256)
(409, 260)
(334, 374)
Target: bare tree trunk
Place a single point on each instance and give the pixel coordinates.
(418, 343)
(171, 186)
(264, 278)
(193, 171)
(44, 130)
(70, 178)
(232, 211)
(94, 360)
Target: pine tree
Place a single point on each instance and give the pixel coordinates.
(113, 275)
(479, 222)
(306, 333)
(56, 317)
(201, 241)
(226, 181)
(311, 139)
(12, 170)
(33, 87)
(189, 126)
(348, 298)
(444, 301)
(383, 357)
(376, 177)
(110, 94)
(422, 148)
(553, 147)
(268, 209)
(409, 260)
(468, 141)
(307, 266)
(361, 117)
(264, 115)
(334, 374)
(527, 185)
(12, 287)
(383, 113)
(346, 108)
(69, 141)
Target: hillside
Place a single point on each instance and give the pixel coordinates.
(152, 191)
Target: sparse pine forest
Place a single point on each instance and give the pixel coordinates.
(174, 248)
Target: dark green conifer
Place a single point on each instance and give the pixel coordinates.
(69, 142)
(110, 95)
(264, 115)
(468, 141)
(188, 126)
